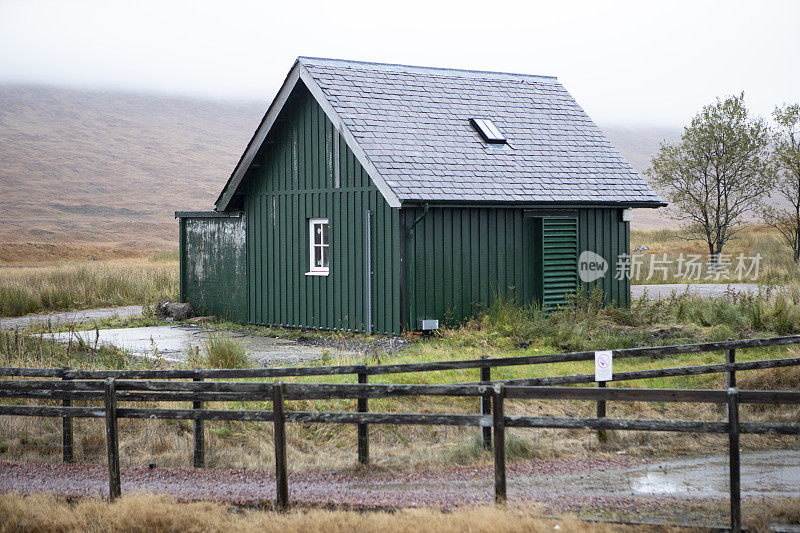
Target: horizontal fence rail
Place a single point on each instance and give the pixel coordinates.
(281, 372)
(134, 390)
(575, 379)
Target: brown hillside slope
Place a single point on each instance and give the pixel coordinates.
(109, 169)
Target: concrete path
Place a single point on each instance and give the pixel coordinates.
(174, 343)
(23, 322)
(703, 290)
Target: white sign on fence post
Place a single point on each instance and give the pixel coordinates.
(603, 361)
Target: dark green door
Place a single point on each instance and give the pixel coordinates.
(555, 259)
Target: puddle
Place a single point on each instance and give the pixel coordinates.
(770, 473)
(172, 343)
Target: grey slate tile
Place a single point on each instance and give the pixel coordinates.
(413, 124)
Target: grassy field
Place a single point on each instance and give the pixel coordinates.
(504, 331)
(60, 286)
(150, 513)
(776, 265)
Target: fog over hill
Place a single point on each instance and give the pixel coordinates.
(111, 168)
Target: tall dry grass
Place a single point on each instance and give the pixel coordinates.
(776, 265)
(145, 513)
(151, 513)
(86, 284)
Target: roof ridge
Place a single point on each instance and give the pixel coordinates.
(306, 60)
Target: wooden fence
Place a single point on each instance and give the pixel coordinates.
(113, 391)
(113, 387)
(484, 365)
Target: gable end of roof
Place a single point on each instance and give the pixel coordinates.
(297, 74)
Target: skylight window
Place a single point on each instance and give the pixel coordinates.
(490, 133)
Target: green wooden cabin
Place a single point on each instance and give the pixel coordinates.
(383, 198)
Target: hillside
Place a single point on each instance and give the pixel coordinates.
(109, 169)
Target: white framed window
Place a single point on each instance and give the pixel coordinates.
(318, 247)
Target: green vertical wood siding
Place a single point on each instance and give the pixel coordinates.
(212, 266)
(464, 258)
(292, 179)
(603, 231)
(460, 259)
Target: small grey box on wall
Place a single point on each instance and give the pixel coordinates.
(427, 324)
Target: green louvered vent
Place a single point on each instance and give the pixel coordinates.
(559, 260)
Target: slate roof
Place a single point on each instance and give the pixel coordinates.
(413, 124)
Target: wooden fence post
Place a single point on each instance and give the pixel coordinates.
(498, 424)
(199, 436)
(363, 429)
(281, 477)
(733, 446)
(112, 439)
(486, 405)
(66, 430)
(730, 357)
(602, 435)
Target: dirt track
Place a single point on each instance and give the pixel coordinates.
(355, 489)
(689, 491)
(359, 489)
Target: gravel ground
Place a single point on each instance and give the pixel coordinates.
(703, 290)
(353, 489)
(23, 322)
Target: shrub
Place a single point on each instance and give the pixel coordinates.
(221, 351)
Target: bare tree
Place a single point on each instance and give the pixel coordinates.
(717, 172)
(786, 160)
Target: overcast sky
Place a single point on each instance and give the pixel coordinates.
(636, 62)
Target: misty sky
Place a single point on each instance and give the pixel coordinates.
(635, 62)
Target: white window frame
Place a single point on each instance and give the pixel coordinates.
(314, 270)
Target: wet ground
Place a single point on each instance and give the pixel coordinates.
(174, 342)
(171, 343)
(561, 485)
(774, 473)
